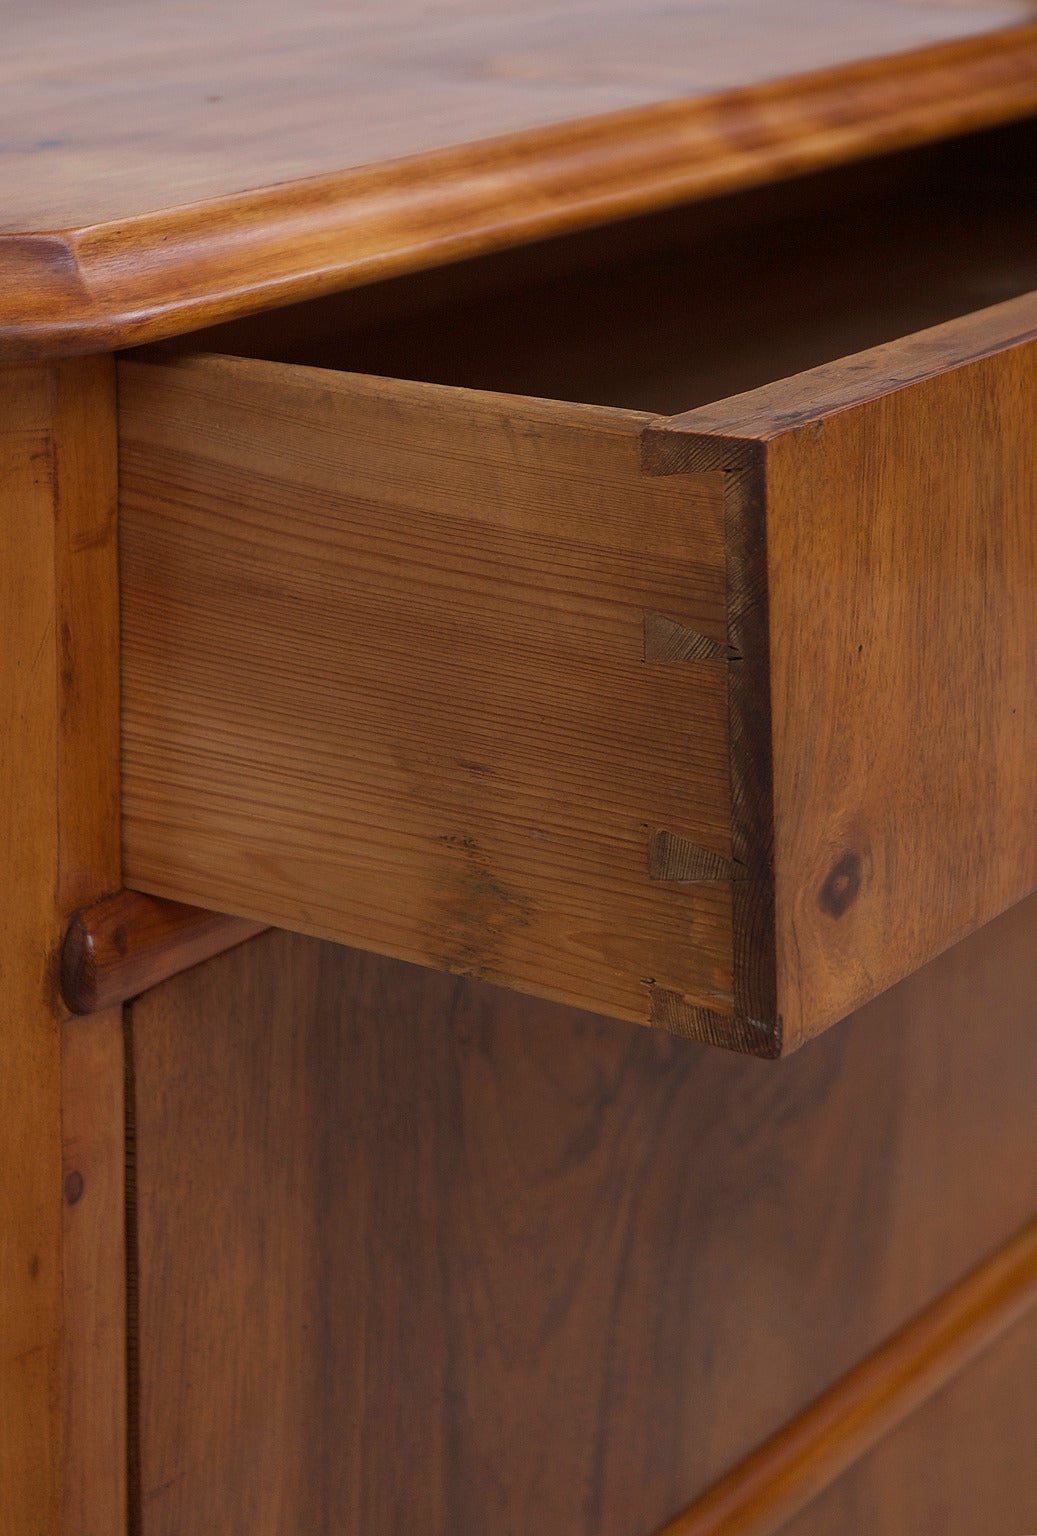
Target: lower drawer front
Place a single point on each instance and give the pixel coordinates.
(718, 722)
(419, 1255)
(963, 1466)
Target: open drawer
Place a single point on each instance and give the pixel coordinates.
(720, 719)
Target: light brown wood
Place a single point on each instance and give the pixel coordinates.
(897, 490)
(386, 676)
(760, 1496)
(126, 943)
(423, 1255)
(343, 146)
(62, 1368)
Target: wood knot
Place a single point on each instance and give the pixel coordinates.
(842, 887)
(74, 1187)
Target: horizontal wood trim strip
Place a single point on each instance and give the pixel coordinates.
(161, 274)
(121, 946)
(789, 1471)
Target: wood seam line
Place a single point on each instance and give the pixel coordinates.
(134, 1501)
(137, 279)
(128, 942)
(754, 963)
(755, 1025)
(804, 1458)
(678, 1015)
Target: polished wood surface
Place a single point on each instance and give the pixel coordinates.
(303, 1239)
(897, 490)
(400, 669)
(245, 95)
(62, 1366)
(335, 148)
(963, 1466)
(759, 1497)
(128, 942)
(417, 1254)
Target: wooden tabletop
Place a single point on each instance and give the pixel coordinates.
(162, 166)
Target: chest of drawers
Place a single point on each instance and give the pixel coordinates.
(517, 528)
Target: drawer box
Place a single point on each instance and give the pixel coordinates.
(721, 721)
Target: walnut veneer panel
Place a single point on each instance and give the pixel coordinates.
(963, 1466)
(795, 1466)
(163, 167)
(418, 1254)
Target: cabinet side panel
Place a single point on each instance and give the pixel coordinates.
(420, 1254)
(430, 672)
(62, 1372)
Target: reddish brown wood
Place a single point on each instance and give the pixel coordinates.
(128, 942)
(962, 1466)
(759, 1497)
(893, 494)
(421, 1255)
(96, 257)
(62, 1265)
(93, 1205)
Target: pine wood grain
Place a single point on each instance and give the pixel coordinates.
(286, 168)
(897, 489)
(124, 944)
(761, 1496)
(418, 1254)
(62, 1371)
(386, 679)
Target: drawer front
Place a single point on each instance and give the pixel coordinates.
(720, 722)
(898, 491)
(963, 1466)
(424, 1256)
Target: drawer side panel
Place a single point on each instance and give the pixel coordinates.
(427, 672)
